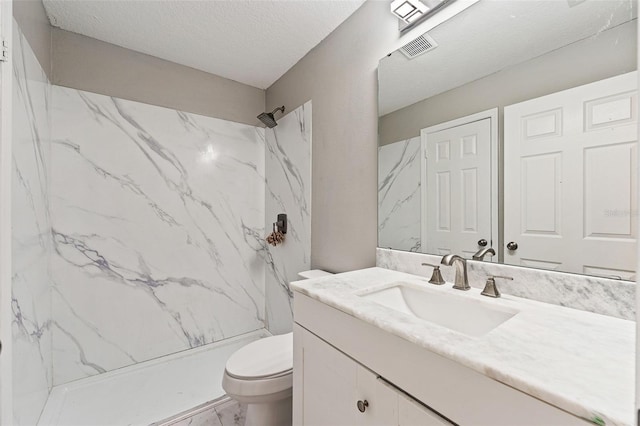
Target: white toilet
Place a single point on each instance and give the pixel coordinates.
(260, 375)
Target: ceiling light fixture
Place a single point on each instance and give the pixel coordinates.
(414, 17)
(412, 12)
(406, 9)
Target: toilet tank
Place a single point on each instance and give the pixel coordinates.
(313, 273)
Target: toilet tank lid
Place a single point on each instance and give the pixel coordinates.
(263, 358)
(314, 273)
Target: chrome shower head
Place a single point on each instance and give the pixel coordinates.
(268, 119)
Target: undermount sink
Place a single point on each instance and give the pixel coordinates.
(463, 314)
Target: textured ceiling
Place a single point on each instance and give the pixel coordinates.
(490, 36)
(250, 41)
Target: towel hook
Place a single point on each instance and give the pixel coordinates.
(281, 224)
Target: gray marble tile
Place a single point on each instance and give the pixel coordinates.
(232, 413)
(207, 417)
(288, 190)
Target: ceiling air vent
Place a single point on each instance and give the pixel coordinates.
(417, 47)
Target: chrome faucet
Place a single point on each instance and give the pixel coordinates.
(480, 254)
(461, 280)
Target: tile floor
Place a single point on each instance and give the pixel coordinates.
(229, 413)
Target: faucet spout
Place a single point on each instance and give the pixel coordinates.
(480, 254)
(462, 279)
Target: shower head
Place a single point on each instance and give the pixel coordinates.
(268, 119)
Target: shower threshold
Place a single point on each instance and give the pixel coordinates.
(146, 392)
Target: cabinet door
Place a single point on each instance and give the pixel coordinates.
(329, 385)
(382, 409)
(333, 384)
(412, 413)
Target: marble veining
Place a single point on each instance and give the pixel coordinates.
(158, 226)
(578, 361)
(399, 195)
(232, 413)
(288, 190)
(31, 234)
(593, 294)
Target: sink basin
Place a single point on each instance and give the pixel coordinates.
(464, 314)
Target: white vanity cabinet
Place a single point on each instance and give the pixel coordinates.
(339, 391)
(340, 360)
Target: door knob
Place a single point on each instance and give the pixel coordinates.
(512, 245)
(362, 405)
(482, 243)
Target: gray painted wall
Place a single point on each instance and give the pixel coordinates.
(340, 76)
(85, 63)
(33, 21)
(612, 53)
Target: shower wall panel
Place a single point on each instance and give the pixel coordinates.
(31, 239)
(288, 172)
(158, 226)
(399, 203)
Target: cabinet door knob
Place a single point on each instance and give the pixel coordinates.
(483, 242)
(512, 245)
(362, 405)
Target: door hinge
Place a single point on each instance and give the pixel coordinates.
(4, 51)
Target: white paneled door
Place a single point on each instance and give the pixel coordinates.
(458, 188)
(570, 179)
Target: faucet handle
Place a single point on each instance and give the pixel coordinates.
(502, 277)
(436, 276)
(490, 288)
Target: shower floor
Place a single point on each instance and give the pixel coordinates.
(146, 392)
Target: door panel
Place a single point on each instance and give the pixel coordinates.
(540, 196)
(604, 166)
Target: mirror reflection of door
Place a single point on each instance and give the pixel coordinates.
(457, 180)
(570, 179)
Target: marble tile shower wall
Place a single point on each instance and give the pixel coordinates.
(158, 226)
(288, 190)
(593, 294)
(31, 239)
(399, 195)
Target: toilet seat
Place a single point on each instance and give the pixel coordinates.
(261, 371)
(274, 376)
(270, 357)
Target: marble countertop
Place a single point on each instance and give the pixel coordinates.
(578, 361)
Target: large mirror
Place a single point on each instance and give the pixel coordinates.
(513, 127)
